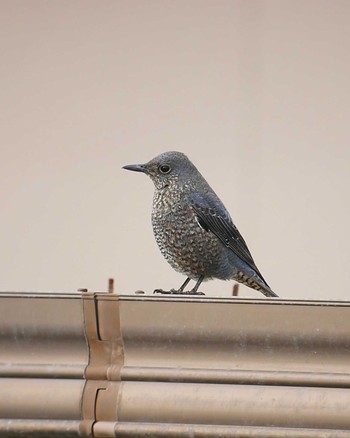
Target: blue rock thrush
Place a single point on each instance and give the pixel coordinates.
(193, 229)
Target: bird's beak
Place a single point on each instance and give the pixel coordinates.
(136, 167)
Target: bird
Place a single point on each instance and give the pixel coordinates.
(193, 229)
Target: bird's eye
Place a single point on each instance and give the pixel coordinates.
(164, 168)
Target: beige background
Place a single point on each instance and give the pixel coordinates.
(255, 92)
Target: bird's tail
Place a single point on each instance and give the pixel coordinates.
(267, 291)
(256, 284)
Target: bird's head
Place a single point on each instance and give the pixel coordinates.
(166, 169)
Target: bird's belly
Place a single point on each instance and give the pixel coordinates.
(186, 246)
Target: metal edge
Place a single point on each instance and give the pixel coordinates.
(160, 430)
(233, 300)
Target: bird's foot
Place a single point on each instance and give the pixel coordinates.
(192, 292)
(177, 292)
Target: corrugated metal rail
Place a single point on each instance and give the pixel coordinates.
(103, 365)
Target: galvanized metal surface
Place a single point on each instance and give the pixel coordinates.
(38, 428)
(43, 356)
(107, 365)
(150, 430)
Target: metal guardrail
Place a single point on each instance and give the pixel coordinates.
(103, 365)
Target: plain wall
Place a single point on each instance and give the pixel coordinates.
(255, 92)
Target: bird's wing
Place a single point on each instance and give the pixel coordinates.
(213, 217)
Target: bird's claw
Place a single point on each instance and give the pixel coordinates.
(161, 291)
(193, 292)
(177, 292)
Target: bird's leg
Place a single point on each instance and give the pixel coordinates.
(173, 291)
(181, 291)
(194, 291)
